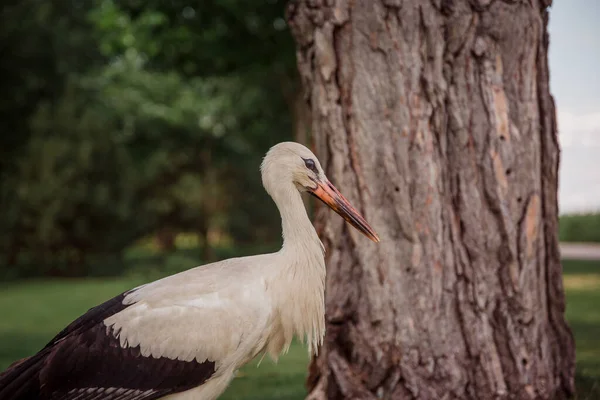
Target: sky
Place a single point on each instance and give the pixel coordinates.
(574, 58)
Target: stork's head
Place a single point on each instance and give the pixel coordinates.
(290, 163)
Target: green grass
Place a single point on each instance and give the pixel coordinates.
(33, 312)
(582, 285)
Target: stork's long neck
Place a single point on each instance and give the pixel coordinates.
(299, 292)
(299, 234)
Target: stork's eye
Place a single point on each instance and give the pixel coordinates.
(310, 164)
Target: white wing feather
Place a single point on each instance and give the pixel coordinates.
(220, 312)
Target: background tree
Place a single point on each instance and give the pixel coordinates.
(439, 115)
(121, 121)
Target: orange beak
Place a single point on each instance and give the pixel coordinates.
(329, 195)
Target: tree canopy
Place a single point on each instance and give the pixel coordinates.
(134, 118)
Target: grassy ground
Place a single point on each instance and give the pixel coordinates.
(582, 285)
(33, 312)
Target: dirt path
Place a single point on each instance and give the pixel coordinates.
(580, 251)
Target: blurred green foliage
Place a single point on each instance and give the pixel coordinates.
(583, 227)
(134, 119)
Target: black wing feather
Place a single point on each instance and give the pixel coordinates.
(85, 361)
(93, 316)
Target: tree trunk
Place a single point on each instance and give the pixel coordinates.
(435, 118)
(299, 110)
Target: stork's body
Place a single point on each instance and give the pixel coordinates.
(184, 336)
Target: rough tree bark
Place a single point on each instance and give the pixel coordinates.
(436, 119)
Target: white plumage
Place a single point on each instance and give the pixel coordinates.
(191, 331)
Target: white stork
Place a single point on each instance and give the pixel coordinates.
(185, 336)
